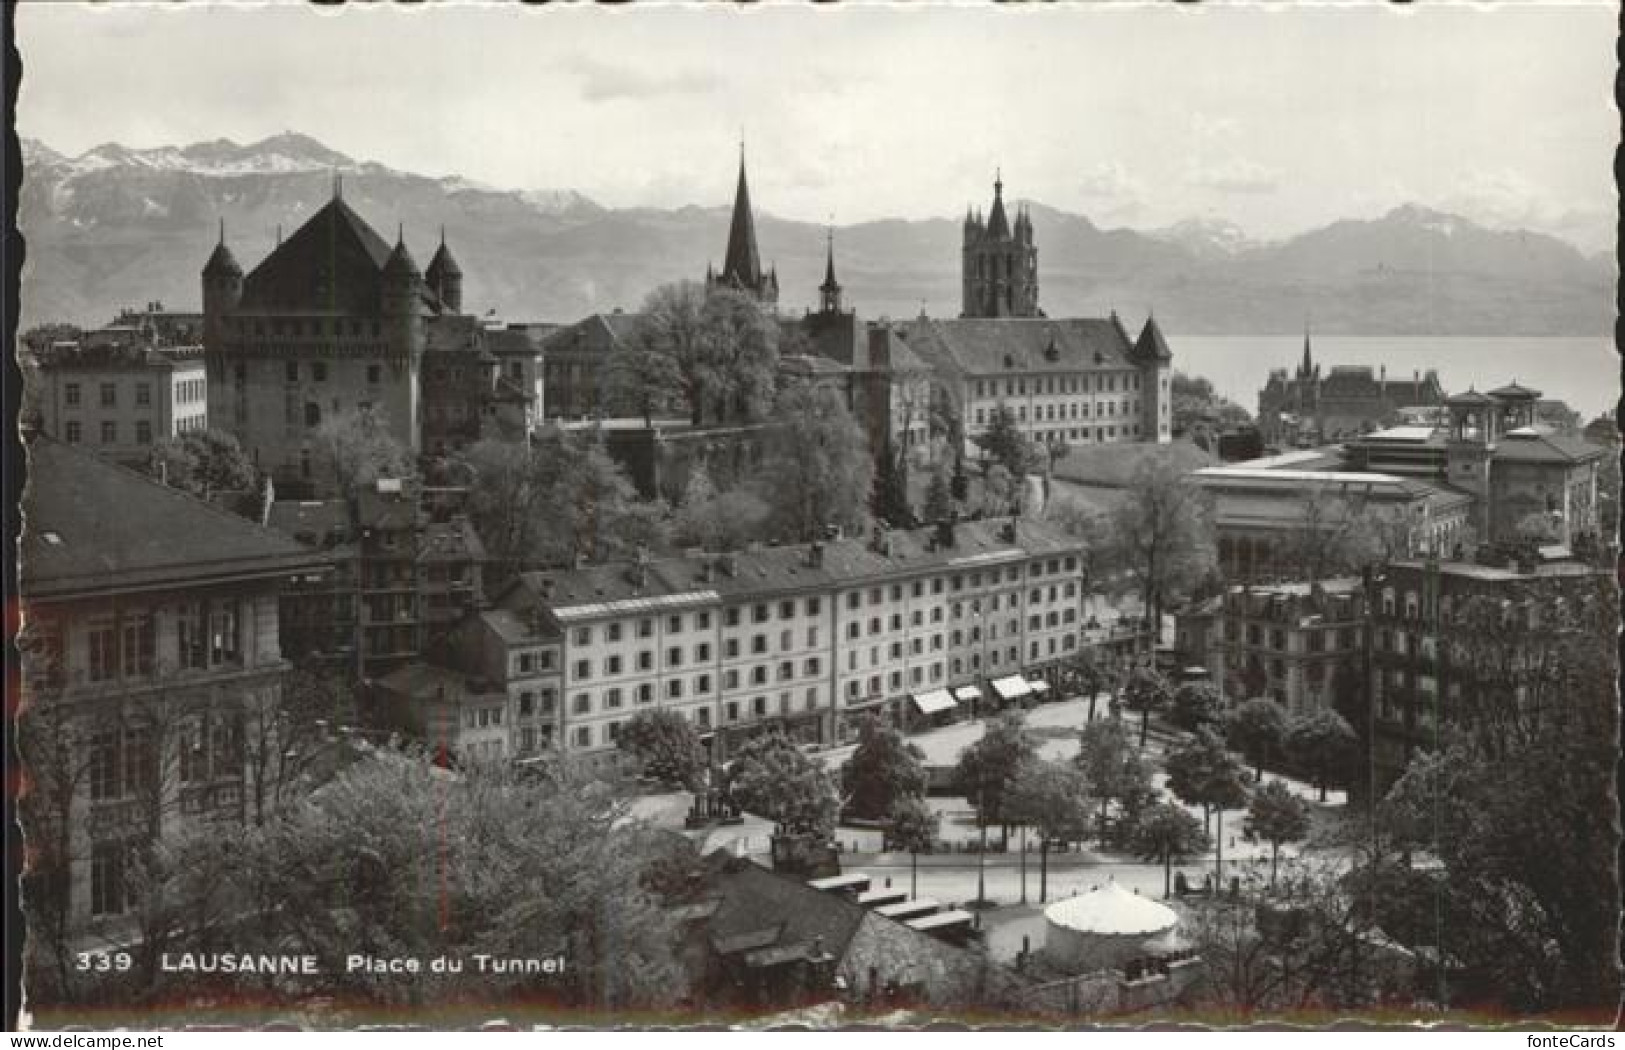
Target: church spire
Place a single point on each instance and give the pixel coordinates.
(830, 290)
(1308, 367)
(997, 225)
(742, 264)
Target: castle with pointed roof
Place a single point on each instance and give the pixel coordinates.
(336, 321)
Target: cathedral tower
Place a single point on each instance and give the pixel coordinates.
(742, 265)
(999, 263)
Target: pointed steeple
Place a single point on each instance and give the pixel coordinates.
(1308, 367)
(830, 290)
(997, 225)
(400, 260)
(221, 262)
(445, 276)
(742, 264)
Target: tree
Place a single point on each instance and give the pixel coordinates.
(939, 502)
(666, 746)
(884, 771)
(1323, 743)
(1163, 534)
(1164, 833)
(202, 462)
(360, 449)
(1202, 773)
(40, 337)
(741, 354)
(1005, 444)
(539, 866)
(717, 521)
(1146, 691)
(889, 502)
(1052, 798)
(1257, 728)
(1113, 770)
(959, 482)
(1089, 672)
(914, 827)
(1276, 815)
(816, 471)
(988, 767)
(1195, 704)
(1331, 537)
(771, 777)
(560, 498)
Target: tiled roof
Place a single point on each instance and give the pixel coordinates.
(757, 909)
(93, 527)
(1535, 446)
(1151, 346)
(334, 262)
(993, 345)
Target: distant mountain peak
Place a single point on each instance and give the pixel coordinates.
(1206, 237)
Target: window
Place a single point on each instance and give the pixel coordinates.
(612, 699)
(143, 394)
(646, 660)
(583, 669)
(702, 684)
(674, 689)
(143, 432)
(583, 736)
(313, 414)
(730, 680)
(758, 643)
(731, 617)
(814, 606)
(584, 634)
(103, 652)
(787, 610)
(612, 664)
(70, 394)
(373, 373)
(109, 395)
(527, 704)
(674, 624)
(702, 621)
(646, 627)
(292, 369)
(109, 432)
(646, 693)
(583, 704)
(614, 632)
(108, 892)
(674, 656)
(71, 432)
(105, 782)
(318, 371)
(760, 613)
(140, 644)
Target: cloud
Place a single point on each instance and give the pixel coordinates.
(1236, 175)
(1507, 199)
(603, 82)
(1111, 192)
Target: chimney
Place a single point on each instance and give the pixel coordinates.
(815, 555)
(945, 532)
(730, 564)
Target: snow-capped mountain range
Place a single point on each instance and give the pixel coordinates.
(116, 226)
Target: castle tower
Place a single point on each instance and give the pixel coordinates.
(999, 263)
(445, 277)
(222, 291)
(829, 293)
(742, 265)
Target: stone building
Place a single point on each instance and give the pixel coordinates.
(119, 397)
(1307, 408)
(1292, 643)
(999, 263)
(1427, 651)
(152, 669)
(332, 322)
(804, 639)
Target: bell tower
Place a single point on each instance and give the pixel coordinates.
(999, 263)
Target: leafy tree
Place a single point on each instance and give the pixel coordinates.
(988, 767)
(1113, 769)
(939, 502)
(884, 771)
(360, 449)
(1195, 704)
(1331, 537)
(1257, 728)
(559, 498)
(1202, 773)
(1276, 815)
(741, 355)
(1005, 444)
(364, 866)
(890, 497)
(1000, 488)
(1052, 798)
(1323, 743)
(666, 746)
(40, 337)
(1145, 691)
(959, 482)
(770, 776)
(1089, 672)
(816, 471)
(914, 827)
(1164, 833)
(202, 462)
(1162, 534)
(717, 521)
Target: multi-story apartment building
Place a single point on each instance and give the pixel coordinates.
(515, 656)
(118, 398)
(800, 639)
(152, 667)
(1293, 643)
(1432, 654)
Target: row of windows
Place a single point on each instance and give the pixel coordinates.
(307, 326)
(187, 392)
(1058, 384)
(126, 646)
(73, 432)
(1048, 413)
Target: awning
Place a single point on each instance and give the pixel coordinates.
(968, 692)
(1038, 685)
(933, 702)
(1012, 688)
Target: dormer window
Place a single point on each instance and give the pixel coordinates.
(1009, 361)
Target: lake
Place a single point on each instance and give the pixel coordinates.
(1581, 370)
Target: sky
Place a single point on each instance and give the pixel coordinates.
(1276, 119)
